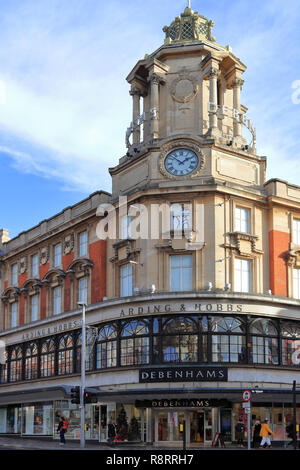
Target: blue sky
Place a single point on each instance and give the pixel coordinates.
(64, 102)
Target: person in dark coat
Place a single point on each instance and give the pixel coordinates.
(290, 433)
(240, 432)
(256, 432)
(62, 429)
(111, 432)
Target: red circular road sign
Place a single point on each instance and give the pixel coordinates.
(246, 396)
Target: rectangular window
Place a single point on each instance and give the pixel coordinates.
(34, 308)
(14, 274)
(181, 273)
(56, 300)
(126, 276)
(296, 232)
(296, 283)
(83, 244)
(82, 290)
(14, 314)
(35, 266)
(181, 216)
(125, 231)
(242, 220)
(242, 275)
(57, 255)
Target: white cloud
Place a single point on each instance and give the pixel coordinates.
(64, 65)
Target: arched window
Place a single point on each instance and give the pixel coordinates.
(107, 347)
(290, 344)
(135, 343)
(264, 342)
(89, 356)
(3, 371)
(47, 358)
(228, 340)
(180, 340)
(16, 365)
(31, 362)
(65, 355)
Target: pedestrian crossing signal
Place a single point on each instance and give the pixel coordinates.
(90, 397)
(75, 395)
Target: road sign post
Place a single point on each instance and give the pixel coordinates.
(246, 396)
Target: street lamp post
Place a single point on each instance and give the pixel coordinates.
(82, 387)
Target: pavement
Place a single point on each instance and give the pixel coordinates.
(19, 443)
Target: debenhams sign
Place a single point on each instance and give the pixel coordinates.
(183, 374)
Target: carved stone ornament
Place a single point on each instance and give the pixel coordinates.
(69, 243)
(184, 88)
(23, 265)
(44, 255)
(244, 243)
(293, 258)
(166, 149)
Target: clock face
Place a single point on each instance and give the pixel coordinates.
(181, 162)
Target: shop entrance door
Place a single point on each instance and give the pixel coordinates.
(201, 426)
(168, 426)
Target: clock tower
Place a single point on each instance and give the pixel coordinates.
(188, 124)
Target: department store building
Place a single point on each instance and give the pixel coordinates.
(203, 305)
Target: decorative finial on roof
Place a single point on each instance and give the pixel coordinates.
(189, 26)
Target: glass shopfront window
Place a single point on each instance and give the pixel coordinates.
(129, 423)
(10, 420)
(38, 419)
(72, 413)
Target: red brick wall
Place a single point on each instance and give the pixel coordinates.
(22, 310)
(279, 245)
(67, 260)
(97, 254)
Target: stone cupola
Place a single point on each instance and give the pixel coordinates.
(189, 26)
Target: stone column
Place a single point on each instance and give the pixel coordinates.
(149, 424)
(136, 93)
(237, 126)
(155, 80)
(213, 99)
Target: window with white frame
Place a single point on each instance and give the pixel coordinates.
(242, 220)
(83, 244)
(181, 273)
(83, 290)
(57, 255)
(56, 300)
(296, 283)
(14, 315)
(34, 307)
(125, 229)
(242, 275)
(181, 216)
(35, 266)
(14, 274)
(126, 278)
(296, 231)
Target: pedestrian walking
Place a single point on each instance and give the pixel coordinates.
(240, 432)
(62, 429)
(290, 433)
(256, 433)
(111, 432)
(265, 433)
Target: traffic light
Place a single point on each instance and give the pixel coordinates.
(75, 395)
(90, 397)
